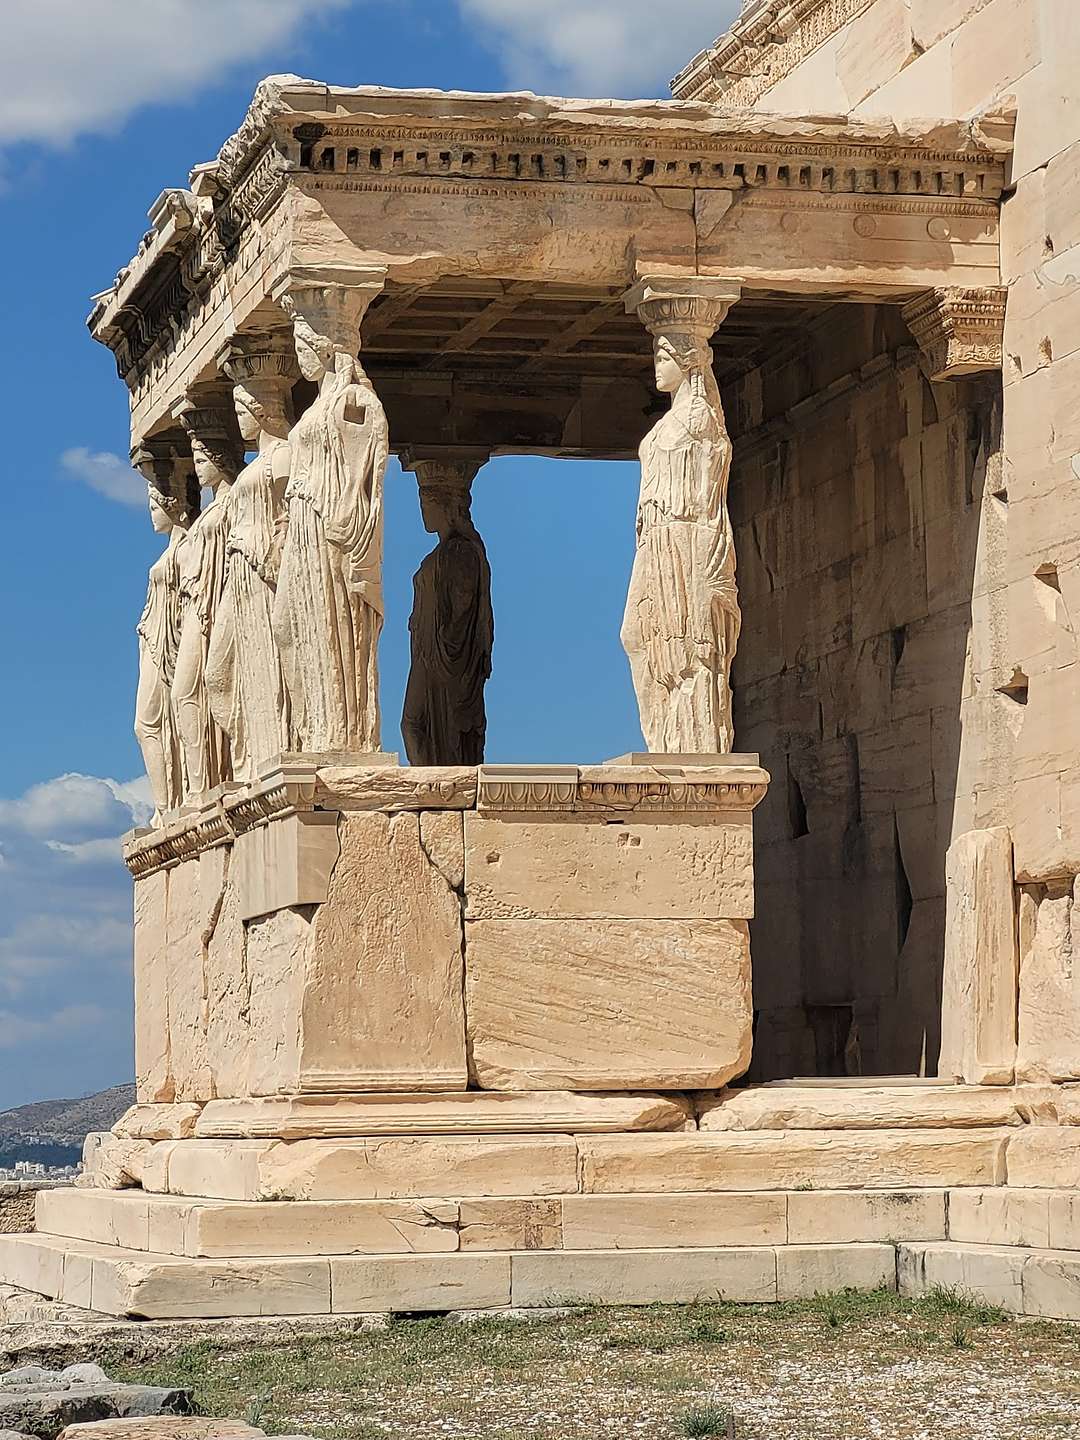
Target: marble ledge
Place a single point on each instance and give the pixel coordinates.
(310, 787)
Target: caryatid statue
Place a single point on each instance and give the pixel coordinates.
(452, 626)
(329, 609)
(174, 504)
(682, 620)
(210, 423)
(244, 681)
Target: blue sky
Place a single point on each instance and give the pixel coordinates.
(104, 103)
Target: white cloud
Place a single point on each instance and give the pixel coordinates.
(598, 47)
(76, 808)
(66, 936)
(70, 67)
(106, 473)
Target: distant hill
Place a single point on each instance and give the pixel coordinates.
(52, 1131)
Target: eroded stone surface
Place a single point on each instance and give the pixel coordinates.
(607, 1004)
(382, 1006)
(665, 868)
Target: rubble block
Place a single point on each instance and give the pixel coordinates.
(35, 1401)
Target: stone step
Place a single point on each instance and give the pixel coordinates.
(416, 1167)
(791, 1106)
(1047, 1219)
(466, 1112)
(118, 1281)
(1036, 1282)
(213, 1229)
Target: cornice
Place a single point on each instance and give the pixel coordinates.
(505, 148)
(766, 43)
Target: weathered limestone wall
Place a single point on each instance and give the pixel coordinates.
(1019, 767)
(857, 492)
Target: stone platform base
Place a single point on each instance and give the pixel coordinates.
(758, 1195)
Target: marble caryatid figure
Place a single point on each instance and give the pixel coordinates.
(682, 619)
(216, 452)
(452, 626)
(174, 504)
(329, 609)
(244, 682)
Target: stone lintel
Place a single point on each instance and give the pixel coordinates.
(959, 331)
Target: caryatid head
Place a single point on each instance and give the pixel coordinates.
(261, 369)
(326, 315)
(173, 491)
(215, 442)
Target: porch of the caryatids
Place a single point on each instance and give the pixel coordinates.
(682, 620)
(173, 495)
(328, 613)
(452, 628)
(208, 417)
(244, 683)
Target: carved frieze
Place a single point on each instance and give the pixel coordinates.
(959, 332)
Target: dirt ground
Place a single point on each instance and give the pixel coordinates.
(841, 1367)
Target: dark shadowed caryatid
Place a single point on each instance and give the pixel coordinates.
(682, 617)
(452, 626)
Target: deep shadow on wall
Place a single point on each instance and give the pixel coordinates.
(856, 496)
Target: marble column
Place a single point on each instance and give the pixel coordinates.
(452, 628)
(328, 614)
(209, 421)
(682, 620)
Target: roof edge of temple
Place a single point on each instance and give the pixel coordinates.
(292, 119)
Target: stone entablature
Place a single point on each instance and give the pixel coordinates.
(802, 206)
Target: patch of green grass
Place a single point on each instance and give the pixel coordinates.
(708, 1420)
(948, 1300)
(840, 1307)
(959, 1336)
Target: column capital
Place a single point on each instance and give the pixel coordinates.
(446, 466)
(207, 415)
(332, 300)
(698, 304)
(165, 463)
(259, 355)
(959, 331)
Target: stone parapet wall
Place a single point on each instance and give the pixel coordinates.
(17, 1201)
(336, 929)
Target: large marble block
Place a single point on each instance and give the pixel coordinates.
(608, 1004)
